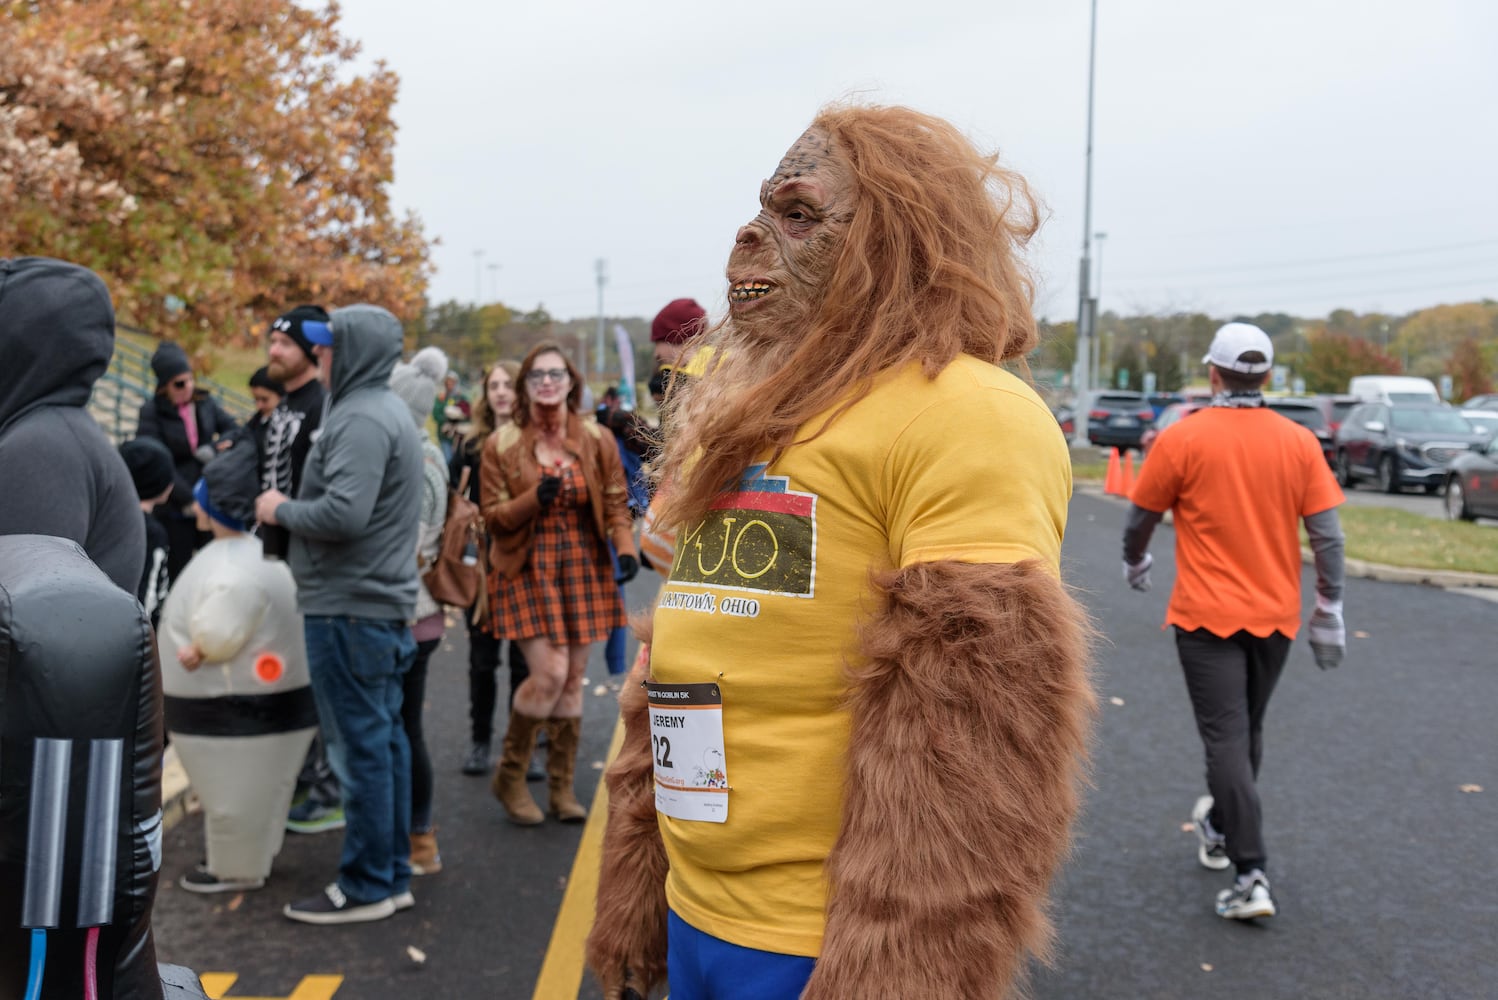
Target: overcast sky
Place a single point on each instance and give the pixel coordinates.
(1281, 155)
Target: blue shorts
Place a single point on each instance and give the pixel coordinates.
(702, 967)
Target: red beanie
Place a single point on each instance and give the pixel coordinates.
(680, 321)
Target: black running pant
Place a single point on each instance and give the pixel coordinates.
(1230, 681)
(483, 659)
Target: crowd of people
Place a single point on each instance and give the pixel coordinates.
(873, 739)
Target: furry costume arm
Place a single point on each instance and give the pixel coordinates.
(627, 946)
(969, 731)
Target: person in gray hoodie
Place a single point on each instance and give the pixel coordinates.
(353, 528)
(62, 476)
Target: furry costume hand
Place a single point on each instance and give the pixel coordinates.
(627, 947)
(969, 731)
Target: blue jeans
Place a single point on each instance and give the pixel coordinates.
(702, 967)
(357, 666)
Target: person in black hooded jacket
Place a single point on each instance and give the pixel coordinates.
(193, 426)
(62, 476)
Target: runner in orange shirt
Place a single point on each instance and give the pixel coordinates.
(1239, 477)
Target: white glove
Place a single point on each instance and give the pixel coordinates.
(1327, 633)
(1138, 575)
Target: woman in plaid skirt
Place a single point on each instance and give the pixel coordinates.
(552, 499)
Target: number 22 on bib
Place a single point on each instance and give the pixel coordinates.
(686, 737)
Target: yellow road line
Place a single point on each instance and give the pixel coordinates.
(216, 985)
(562, 970)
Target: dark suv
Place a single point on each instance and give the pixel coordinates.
(1117, 419)
(1310, 414)
(1402, 444)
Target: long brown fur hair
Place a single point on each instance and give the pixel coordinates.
(930, 269)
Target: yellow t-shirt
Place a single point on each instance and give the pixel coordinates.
(766, 594)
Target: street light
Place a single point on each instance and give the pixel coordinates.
(1097, 358)
(1082, 369)
(478, 272)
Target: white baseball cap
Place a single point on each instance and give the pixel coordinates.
(1232, 341)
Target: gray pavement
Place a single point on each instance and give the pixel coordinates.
(1382, 853)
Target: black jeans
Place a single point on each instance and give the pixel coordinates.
(413, 694)
(1230, 681)
(483, 659)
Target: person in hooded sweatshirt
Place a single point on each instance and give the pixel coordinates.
(194, 427)
(354, 527)
(62, 476)
(415, 382)
(234, 674)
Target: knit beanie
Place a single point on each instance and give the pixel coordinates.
(150, 466)
(416, 381)
(290, 323)
(680, 321)
(229, 486)
(168, 362)
(262, 380)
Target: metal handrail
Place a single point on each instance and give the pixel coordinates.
(136, 361)
(129, 382)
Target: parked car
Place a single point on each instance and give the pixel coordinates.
(1487, 402)
(1310, 414)
(1117, 419)
(1482, 421)
(1160, 400)
(1472, 484)
(1338, 406)
(1067, 418)
(1402, 444)
(1393, 389)
(1173, 413)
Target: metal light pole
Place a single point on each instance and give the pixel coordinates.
(478, 272)
(1097, 356)
(600, 265)
(1082, 369)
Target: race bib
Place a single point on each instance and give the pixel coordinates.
(686, 736)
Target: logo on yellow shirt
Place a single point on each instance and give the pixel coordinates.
(761, 537)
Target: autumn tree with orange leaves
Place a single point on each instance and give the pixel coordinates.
(212, 160)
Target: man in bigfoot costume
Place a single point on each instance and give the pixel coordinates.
(854, 765)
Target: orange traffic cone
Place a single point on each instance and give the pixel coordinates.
(1113, 481)
(1128, 475)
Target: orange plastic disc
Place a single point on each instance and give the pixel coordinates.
(269, 667)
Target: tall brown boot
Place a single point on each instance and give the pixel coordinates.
(508, 783)
(562, 735)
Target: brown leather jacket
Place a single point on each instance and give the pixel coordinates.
(507, 490)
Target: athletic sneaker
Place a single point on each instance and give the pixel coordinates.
(1211, 847)
(403, 900)
(477, 761)
(200, 879)
(1248, 898)
(314, 817)
(331, 906)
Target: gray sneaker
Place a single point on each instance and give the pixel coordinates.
(478, 759)
(1211, 846)
(331, 906)
(1247, 899)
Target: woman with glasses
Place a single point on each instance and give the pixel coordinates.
(194, 427)
(553, 495)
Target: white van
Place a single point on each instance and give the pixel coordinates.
(1393, 389)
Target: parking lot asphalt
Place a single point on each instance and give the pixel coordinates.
(1380, 790)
